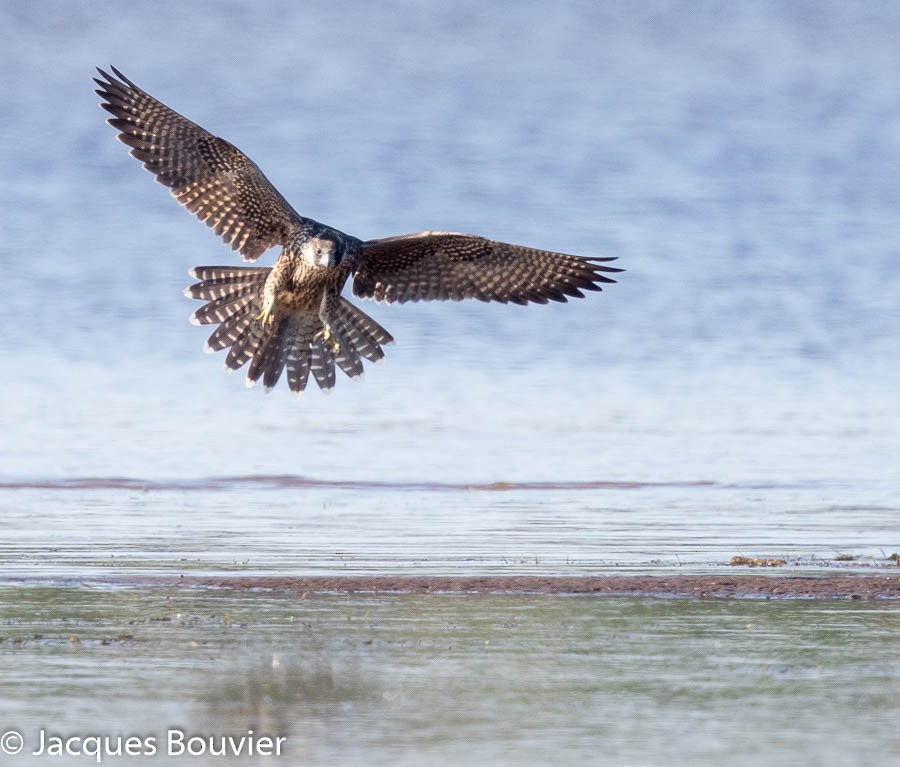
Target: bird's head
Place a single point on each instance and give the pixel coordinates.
(321, 251)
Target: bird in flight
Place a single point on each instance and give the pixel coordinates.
(292, 317)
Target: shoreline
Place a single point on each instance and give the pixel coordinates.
(827, 586)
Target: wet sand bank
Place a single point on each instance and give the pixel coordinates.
(836, 586)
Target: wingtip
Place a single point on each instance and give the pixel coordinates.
(111, 78)
(600, 263)
(122, 77)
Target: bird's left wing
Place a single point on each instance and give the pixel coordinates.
(209, 176)
(447, 265)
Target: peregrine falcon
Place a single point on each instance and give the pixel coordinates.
(291, 317)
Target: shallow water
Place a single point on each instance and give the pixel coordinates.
(507, 680)
(280, 526)
(734, 394)
(745, 367)
(752, 342)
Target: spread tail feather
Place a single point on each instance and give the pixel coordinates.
(292, 343)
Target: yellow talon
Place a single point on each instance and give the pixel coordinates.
(266, 316)
(327, 334)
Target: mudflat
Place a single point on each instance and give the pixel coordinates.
(827, 586)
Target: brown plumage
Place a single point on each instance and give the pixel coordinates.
(292, 317)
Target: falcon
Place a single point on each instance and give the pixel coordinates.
(291, 318)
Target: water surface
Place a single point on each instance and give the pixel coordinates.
(734, 394)
(507, 680)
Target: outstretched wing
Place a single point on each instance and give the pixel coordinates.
(446, 265)
(210, 177)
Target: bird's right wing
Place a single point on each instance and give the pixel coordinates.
(210, 177)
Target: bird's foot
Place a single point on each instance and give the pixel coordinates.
(267, 315)
(327, 335)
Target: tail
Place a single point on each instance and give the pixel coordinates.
(294, 343)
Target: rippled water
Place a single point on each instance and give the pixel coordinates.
(751, 344)
(461, 680)
(279, 525)
(734, 394)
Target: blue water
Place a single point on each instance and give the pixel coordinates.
(735, 394)
(741, 162)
